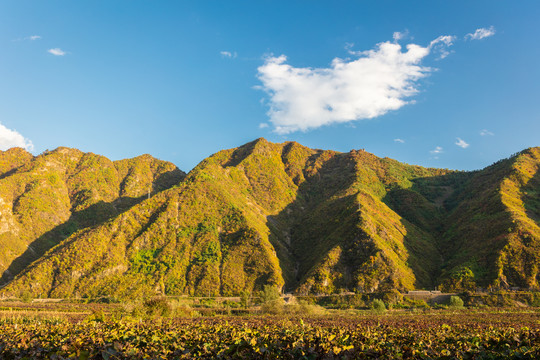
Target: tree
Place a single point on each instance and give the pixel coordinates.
(271, 302)
(269, 293)
(244, 298)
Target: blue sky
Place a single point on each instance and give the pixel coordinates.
(413, 80)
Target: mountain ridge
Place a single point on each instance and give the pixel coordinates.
(62, 188)
(308, 220)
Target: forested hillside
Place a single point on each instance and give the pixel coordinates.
(309, 221)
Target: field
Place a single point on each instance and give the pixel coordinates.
(104, 331)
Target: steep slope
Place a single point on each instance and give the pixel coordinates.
(11, 159)
(493, 237)
(357, 239)
(310, 221)
(45, 199)
(263, 213)
(206, 236)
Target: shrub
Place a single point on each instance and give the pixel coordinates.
(305, 308)
(244, 299)
(26, 296)
(378, 306)
(536, 299)
(96, 316)
(421, 304)
(181, 309)
(456, 302)
(275, 307)
(132, 308)
(271, 302)
(268, 294)
(158, 306)
(392, 297)
(346, 301)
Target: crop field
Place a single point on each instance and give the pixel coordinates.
(460, 334)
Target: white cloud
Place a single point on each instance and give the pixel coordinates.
(398, 36)
(57, 52)
(31, 38)
(399, 141)
(228, 54)
(485, 132)
(11, 138)
(441, 45)
(263, 125)
(461, 143)
(446, 40)
(481, 33)
(437, 150)
(375, 82)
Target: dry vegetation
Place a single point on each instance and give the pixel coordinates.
(172, 329)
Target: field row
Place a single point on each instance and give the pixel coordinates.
(459, 335)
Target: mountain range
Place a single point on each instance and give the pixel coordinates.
(309, 221)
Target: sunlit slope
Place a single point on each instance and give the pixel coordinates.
(207, 236)
(493, 234)
(352, 238)
(46, 198)
(309, 221)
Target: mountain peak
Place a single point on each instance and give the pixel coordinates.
(311, 221)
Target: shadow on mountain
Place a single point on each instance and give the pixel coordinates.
(424, 209)
(9, 173)
(325, 216)
(94, 215)
(428, 200)
(305, 230)
(241, 153)
(531, 198)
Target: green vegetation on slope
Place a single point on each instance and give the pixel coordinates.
(491, 237)
(304, 220)
(45, 199)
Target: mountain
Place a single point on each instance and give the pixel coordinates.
(492, 236)
(45, 199)
(309, 221)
